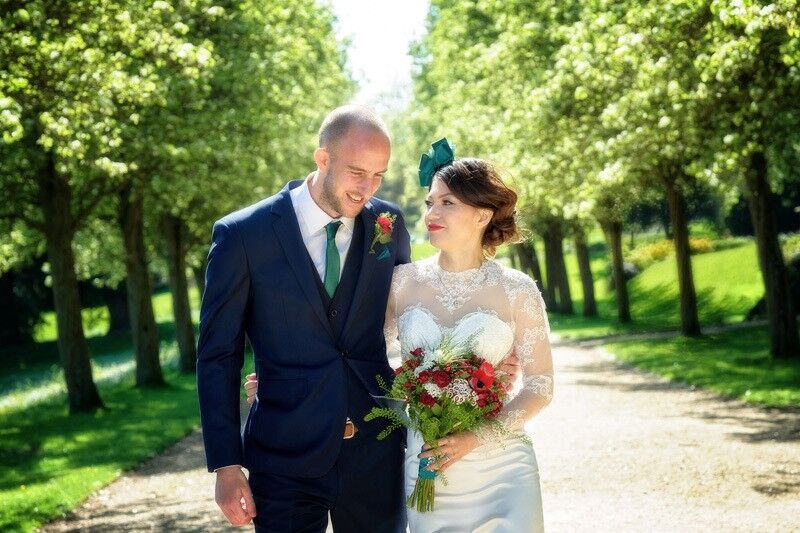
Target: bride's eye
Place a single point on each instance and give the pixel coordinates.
(447, 202)
(428, 203)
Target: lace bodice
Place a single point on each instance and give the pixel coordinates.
(496, 309)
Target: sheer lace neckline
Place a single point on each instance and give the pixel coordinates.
(434, 261)
(454, 289)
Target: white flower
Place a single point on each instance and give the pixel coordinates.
(460, 391)
(433, 389)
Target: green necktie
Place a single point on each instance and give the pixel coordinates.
(332, 258)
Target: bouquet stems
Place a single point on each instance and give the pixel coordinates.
(422, 495)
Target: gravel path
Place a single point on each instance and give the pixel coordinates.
(619, 450)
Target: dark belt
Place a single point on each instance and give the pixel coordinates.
(350, 429)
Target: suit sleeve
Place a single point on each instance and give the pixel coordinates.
(403, 242)
(220, 351)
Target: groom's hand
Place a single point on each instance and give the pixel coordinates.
(234, 497)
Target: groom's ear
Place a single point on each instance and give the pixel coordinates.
(323, 159)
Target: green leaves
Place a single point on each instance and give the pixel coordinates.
(589, 104)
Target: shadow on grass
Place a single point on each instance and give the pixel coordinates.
(653, 309)
(45, 440)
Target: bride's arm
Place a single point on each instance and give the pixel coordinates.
(390, 322)
(532, 345)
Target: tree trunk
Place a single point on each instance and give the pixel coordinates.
(140, 303)
(173, 231)
(613, 233)
(551, 267)
(529, 261)
(560, 280)
(73, 349)
(663, 216)
(784, 342)
(690, 323)
(117, 304)
(587, 280)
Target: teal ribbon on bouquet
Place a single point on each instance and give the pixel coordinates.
(422, 497)
(424, 473)
(440, 154)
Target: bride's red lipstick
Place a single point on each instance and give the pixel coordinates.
(434, 227)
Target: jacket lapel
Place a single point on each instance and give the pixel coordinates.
(288, 231)
(367, 218)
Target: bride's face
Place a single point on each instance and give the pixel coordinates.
(452, 224)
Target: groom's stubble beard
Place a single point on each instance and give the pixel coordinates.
(329, 194)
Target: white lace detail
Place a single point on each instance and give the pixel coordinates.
(454, 289)
(494, 432)
(540, 384)
(525, 349)
(515, 283)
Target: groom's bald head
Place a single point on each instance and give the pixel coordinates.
(340, 120)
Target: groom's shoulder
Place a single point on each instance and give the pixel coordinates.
(379, 205)
(252, 213)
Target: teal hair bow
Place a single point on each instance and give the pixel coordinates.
(440, 154)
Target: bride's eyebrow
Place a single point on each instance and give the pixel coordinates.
(444, 195)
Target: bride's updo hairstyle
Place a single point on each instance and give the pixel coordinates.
(477, 183)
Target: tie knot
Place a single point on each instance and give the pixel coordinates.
(332, 228)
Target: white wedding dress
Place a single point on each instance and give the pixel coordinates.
(494, 488)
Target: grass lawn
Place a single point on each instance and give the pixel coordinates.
(50, 461)
(735, 364)
(727, 282)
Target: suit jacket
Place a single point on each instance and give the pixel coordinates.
(260, 282)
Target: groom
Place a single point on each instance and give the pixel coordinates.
(305, 274)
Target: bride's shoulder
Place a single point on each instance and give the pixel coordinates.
(516, 281)
(414, 269)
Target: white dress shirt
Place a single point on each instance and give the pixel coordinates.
(312, 221)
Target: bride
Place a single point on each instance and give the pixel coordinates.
(492, 474)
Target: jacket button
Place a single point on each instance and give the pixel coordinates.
(333, 313)
(344, 353)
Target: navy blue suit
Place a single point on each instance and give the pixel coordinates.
(317, 359)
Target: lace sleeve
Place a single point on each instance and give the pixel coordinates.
(390, 322)
(532, 345)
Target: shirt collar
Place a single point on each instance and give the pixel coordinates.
(312, 217)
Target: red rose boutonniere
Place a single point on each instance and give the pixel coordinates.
(384, 226)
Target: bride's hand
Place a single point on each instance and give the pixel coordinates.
(250, 388)
(512, 368)
(450, 449)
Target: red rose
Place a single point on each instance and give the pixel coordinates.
(418, 352)
(441, 378)
(398, 371)
(427, 399)
(481, 400)
(424, 376)
(408, 384)
(385, 224)
(411, 364)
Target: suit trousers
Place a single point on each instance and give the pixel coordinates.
(363, 492)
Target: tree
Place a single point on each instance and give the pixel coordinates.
(70, 71)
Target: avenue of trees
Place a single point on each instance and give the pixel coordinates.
(594, 106)
(128, 127)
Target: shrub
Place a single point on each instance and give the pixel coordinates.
(644, 256)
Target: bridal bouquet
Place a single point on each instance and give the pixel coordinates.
(443, 391)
